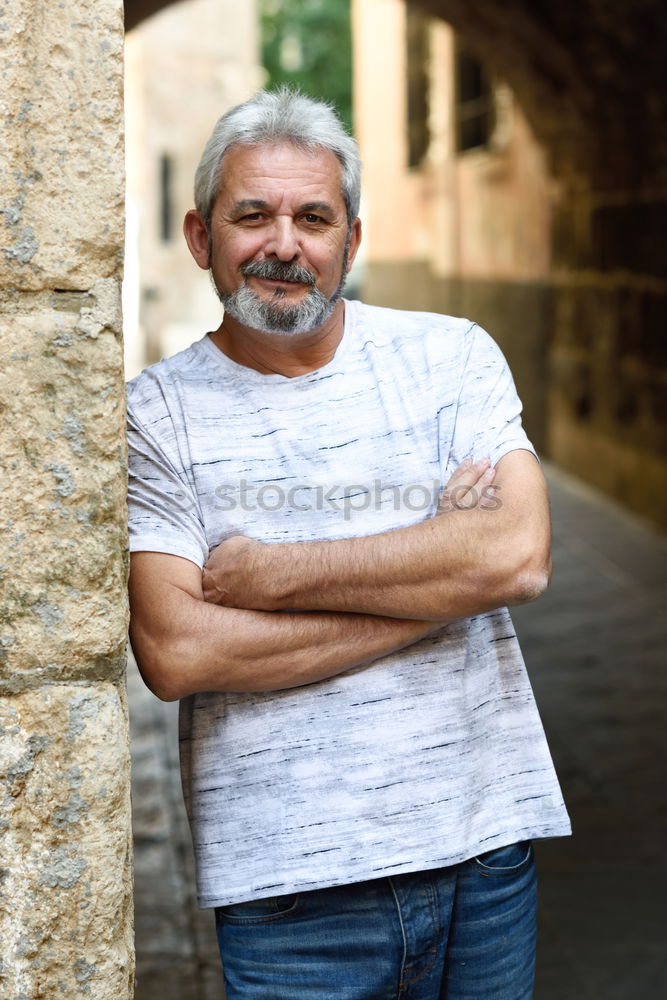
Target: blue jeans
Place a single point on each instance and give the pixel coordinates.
(461, 933)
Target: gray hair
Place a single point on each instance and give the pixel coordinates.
(280, 116)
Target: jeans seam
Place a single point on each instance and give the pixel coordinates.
(433, 952)
(399, 986)
(404, 983)
(267, 918)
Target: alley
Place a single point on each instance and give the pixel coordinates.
(595, 646)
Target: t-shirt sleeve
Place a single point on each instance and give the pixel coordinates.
(164, 513)
(488, 420)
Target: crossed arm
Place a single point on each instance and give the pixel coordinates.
(359, 599)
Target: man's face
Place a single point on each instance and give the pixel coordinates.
(280, 245)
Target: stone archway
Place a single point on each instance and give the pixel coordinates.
(138, 10)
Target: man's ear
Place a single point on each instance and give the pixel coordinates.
(355, 240)
(196, 237)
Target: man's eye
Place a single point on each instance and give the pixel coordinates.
(252, 217)
(311, 218)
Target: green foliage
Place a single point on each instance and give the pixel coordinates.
(307, 44)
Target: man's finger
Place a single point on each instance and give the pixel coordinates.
(468, 473)
(464, 487)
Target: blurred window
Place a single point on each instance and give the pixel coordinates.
(417, 71)
(166, 198)
(474, 104)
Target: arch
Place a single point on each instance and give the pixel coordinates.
(138, 10)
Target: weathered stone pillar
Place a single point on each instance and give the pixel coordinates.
(65, 848)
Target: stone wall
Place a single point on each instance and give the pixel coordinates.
(65, 848)
(607, 405)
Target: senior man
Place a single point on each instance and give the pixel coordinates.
(331, 506)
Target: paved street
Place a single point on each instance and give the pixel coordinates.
(177, 955)
(595, 646)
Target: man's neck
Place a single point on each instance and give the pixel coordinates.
(283, 354)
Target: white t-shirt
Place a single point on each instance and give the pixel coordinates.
(428, 756)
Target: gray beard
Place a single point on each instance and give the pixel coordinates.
(274, 315)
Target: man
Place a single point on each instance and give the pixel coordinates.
(362, 759)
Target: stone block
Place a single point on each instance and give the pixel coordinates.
(629, 309)
(653, 331)
(63, 565)
(61, 148)
(571, 240)
(631, 237)
(569, 385)
(65, 907)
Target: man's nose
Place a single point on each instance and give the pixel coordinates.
(283, 242)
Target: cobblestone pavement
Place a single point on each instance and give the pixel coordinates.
(177, 955)
(595, 646)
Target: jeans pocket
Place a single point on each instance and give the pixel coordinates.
(257, 910)
(509, 860)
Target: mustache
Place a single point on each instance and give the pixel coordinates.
(277, 270)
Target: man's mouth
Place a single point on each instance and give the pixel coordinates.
(278, 289)
(280, 281)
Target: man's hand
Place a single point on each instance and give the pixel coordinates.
(469, 486)
(240, 571)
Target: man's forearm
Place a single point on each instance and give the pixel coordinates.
(422, 572)
(201, 647)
